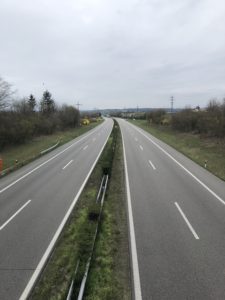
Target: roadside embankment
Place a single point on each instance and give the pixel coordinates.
(207, 152)
(15, 157)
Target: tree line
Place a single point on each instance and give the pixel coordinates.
(21, 120)
(207, 122)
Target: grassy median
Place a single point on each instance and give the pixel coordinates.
(110, 265)
(197, 148)
(110, 271)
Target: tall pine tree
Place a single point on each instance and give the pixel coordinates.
(32, 103)
(47, 104)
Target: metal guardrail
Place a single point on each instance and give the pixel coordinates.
(49, 149)
(24, 162)
(72, 283)
(100, 198)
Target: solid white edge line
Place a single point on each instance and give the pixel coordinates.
(85, 147)
(185, 169)
(15, 214)
(48, 251)
(153, 167)
(67, 164)
(45, 162)
(187, 222)
(136, 276)
(141, 147)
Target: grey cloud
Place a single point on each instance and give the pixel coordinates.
(115, 53)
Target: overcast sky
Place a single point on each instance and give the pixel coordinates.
(115, 53)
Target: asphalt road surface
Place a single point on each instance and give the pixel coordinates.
(177, 221)
(34, 204)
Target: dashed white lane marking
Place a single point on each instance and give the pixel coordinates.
(15, 214)
(136, 139)
(141, 147)
(187, 222)
(179, 164)
(45, 162)
(94, 139)
(151, 164)
(85, 147)
(67, 164)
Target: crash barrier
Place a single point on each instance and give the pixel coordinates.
(50, 149)
(18, 164)
(100, 199)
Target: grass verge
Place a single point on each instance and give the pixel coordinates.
(197, 148)
(30, 150)
(75, 242)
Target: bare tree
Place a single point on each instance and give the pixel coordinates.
(21, 106)
(5, 93)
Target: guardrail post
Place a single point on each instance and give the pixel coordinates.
(1, 164)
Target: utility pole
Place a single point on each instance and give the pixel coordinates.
(78, 105)
(171, 101)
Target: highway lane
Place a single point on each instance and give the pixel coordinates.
(179, 221)
(33, 203)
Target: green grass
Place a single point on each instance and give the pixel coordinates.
(75, 242)
(193, 146)
(28, 151)
(110, 271)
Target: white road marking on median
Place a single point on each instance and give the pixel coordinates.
(44, 163)
(187, 222)
(185, 169)
(14, 215)
(136, 276)
(85, 147)
(141, 147)
(44, 258)
(153, 167)
(67, 164)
